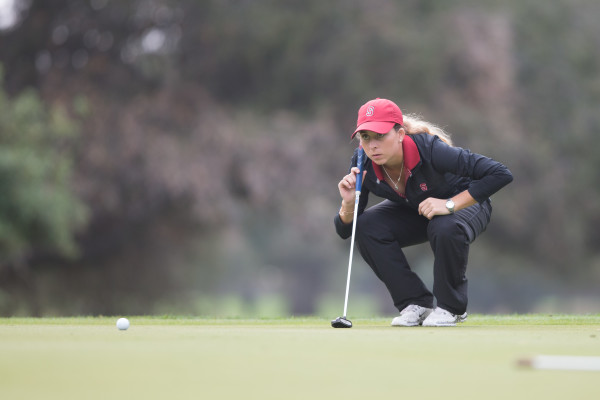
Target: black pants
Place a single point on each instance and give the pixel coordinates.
(383, 230)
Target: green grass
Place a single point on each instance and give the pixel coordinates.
(295, 358)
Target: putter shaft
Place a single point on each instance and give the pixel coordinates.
(351, 252)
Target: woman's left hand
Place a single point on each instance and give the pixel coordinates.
(431, 207)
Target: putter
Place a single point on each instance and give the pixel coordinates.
(343, 322)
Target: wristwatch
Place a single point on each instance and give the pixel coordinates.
(450, 206)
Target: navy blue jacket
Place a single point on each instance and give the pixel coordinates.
(435, 169)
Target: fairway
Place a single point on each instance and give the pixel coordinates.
(192, 358)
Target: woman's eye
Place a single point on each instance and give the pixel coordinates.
(380, 136)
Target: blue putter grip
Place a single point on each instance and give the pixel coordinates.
(359, 164)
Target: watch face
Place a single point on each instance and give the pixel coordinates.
(450, 205)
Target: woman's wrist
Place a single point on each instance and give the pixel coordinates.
(346, 209)
(348, 205)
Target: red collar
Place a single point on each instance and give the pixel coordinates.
(411, 158)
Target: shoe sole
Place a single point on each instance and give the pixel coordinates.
(459, 319)
(406, 325)
(439, 325)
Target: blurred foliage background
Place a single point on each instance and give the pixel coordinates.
(179, 156)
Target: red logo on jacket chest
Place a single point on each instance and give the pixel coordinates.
(423, 187)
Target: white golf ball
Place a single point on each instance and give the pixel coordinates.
(122, 324)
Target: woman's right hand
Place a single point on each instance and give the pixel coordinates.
(347, 187)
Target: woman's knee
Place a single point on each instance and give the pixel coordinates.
(364, 226)
(370, 225)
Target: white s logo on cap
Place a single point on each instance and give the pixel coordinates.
(370, 111)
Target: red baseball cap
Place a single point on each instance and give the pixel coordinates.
(379, 115)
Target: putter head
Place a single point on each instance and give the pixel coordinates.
(341, 322)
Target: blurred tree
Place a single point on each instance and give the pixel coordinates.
(38, 209)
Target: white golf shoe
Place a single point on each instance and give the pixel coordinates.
(441, 317)
(411, 315)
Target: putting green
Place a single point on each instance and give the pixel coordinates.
(297, 358)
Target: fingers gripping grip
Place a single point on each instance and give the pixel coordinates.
(359, 164)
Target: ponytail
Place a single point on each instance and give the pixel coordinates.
(414, 124)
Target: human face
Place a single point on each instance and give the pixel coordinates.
(383, 148)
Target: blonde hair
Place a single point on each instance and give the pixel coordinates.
(414, 124)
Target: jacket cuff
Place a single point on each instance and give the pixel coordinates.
(342, 229)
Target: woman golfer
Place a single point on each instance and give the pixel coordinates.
(433, 192)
